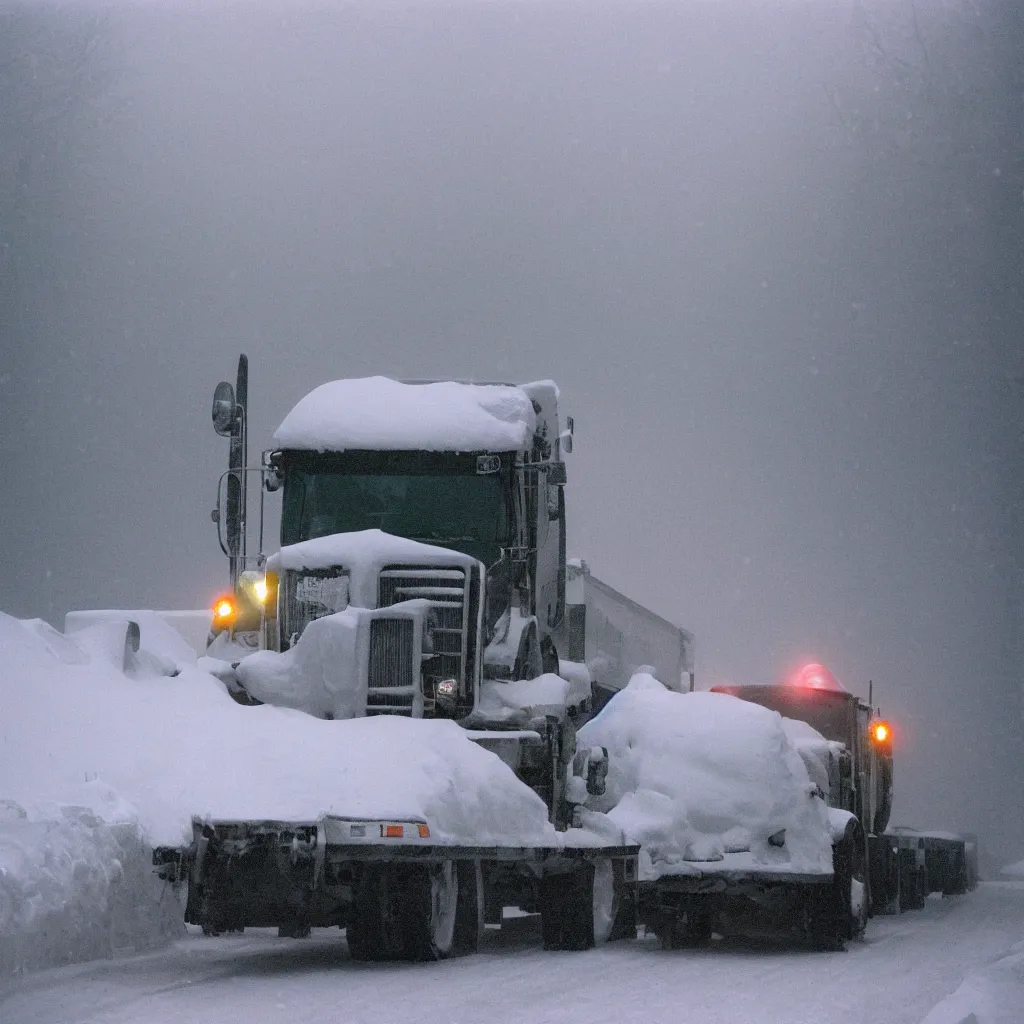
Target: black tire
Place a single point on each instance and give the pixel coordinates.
(851, 881)
(567, 916)
(373, 931)
(627, 912)
(886, 867)
(912, 894)
(441, 911)
(580, 909)
(956, 881)
(430, 908)
(840, 911)
(692, 926)
(469, 921)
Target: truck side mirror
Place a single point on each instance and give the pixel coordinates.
(224, 409)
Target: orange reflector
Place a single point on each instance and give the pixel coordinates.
(224, 611)
(424, 831)
(880, 732)
(392, 831)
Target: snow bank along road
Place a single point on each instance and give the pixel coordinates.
(907, 966)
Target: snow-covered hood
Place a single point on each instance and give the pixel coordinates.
(364, 554)
(380, 414)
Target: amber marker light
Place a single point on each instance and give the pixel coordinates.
(881, 732)
(224, 612)
(269, 598)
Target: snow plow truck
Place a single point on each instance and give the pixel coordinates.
(433, 515)
(847, 749)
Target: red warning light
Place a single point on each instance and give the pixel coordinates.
(816, 677)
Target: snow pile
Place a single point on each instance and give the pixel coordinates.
(993, 995)
(702, 780)
(1015, 870)
(74, 887)
(178, 747)
(181, 634)
(516, 702)
(818, 753)
(319, 675)
(379, 414)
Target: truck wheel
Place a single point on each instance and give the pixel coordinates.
(372, 930)
(626, 904)
(469, 918)
(956, 879)
(840, 910)
(691, 927)
(851, 881)
(912, 894)
(579, 909)
(441, 911)
(605, 901)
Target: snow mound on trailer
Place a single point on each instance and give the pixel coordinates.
(701, 780)
(380, 414)
(177, 747)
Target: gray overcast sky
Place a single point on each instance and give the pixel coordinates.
(770, 251)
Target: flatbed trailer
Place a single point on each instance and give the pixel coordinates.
(397, 894)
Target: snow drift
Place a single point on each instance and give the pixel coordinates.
(702, 781)
(992, 995)
(178, 747)
(75, 887)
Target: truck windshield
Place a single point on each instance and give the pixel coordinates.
(436, 499)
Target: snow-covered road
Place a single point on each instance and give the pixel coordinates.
(906, 966)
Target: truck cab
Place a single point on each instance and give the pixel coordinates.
(861, 775)
(472, 468)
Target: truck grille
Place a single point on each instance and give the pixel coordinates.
(310, 595)
(391, 685)
(448, 594)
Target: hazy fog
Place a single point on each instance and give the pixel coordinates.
(771, 251)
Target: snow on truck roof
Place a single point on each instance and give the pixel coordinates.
(380, 414)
